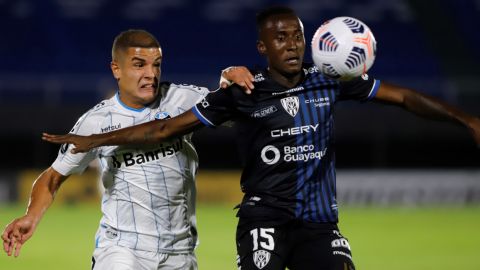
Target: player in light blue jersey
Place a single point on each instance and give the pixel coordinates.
(149, 204)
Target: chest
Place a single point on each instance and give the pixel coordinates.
(304, 108)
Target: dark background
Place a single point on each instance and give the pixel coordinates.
(56, 57)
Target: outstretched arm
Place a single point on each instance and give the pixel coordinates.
(148, 133)
(21, 229)
(427, 107)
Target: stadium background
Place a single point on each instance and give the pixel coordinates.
(408, 188)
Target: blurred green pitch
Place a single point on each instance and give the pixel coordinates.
(390, 238)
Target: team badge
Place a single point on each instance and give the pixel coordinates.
(291, 105)
(162, 115)
(261, 258)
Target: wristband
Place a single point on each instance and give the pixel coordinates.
(222, 79)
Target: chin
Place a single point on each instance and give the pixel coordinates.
(292, 71)
(148, 97)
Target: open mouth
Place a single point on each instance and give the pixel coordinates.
(293, 60)
(148, 86)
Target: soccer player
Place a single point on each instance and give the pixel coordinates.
(149, 205)
(288, 217)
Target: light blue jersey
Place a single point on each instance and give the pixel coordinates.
(149, 201)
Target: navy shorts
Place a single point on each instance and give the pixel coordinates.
(297, 244)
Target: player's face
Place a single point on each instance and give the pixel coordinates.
(138, 76)
(283, 43)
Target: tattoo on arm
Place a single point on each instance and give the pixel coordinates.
(147, 136)
(131, 137)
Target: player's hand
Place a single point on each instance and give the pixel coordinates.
(240, 76)
(82, 143)
(18, 232)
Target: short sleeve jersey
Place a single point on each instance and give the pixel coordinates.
(149, 202)
(286, 141)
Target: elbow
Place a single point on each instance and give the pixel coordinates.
(161, 134)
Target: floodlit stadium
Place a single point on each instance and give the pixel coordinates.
(407, 188)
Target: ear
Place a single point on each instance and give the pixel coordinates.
(115, 69)
(261, 47)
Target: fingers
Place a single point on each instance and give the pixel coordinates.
(6, 240)
(17, 249)
(13, 240)
(58, 139)
(224, 85)
(246, 76)
(240, 76)
(6, 235)
(16, 238)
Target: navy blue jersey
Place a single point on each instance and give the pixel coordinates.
(286, 141)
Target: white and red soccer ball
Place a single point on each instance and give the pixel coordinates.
(343, 48)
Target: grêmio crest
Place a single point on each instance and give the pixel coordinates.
(291, 105)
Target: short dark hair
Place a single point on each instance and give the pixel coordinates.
(133, 38)
(263, 15)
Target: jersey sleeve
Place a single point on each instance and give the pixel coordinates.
(68, 163)
(362, 88)
(184, 96)
(216, 108)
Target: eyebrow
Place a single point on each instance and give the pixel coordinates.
(139, 59)
(143, 60)
(283, 32)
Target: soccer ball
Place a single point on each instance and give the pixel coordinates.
(343, 48)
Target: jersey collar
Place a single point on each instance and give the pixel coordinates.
(128, 108)
(269, 78)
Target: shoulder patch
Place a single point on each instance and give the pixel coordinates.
(259, 77)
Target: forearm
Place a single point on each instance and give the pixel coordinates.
(150, 132)
(432, 108)
(147, 133)
(422, 105)
(43, 193)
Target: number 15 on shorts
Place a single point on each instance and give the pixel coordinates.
(266, 238)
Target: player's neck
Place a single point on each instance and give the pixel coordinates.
(286, 80)
(129, 102)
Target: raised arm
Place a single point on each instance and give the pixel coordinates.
(427, 107)
(21, 229)
(148, 133)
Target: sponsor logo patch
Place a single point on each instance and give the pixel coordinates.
(291, 105)
(264, 112)
(271, 155)
(259, 77)
(275, 151)
(111, 128)
(134, 158)
(63, 148)
(205, 103)
(111, 233)
(296, 89)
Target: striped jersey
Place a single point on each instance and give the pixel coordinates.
(150, 191)
(286, 141)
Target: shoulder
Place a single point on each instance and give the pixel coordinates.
(95, 115)
(168, 89)
(259, 74)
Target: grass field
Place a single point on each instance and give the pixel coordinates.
(390, 238)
